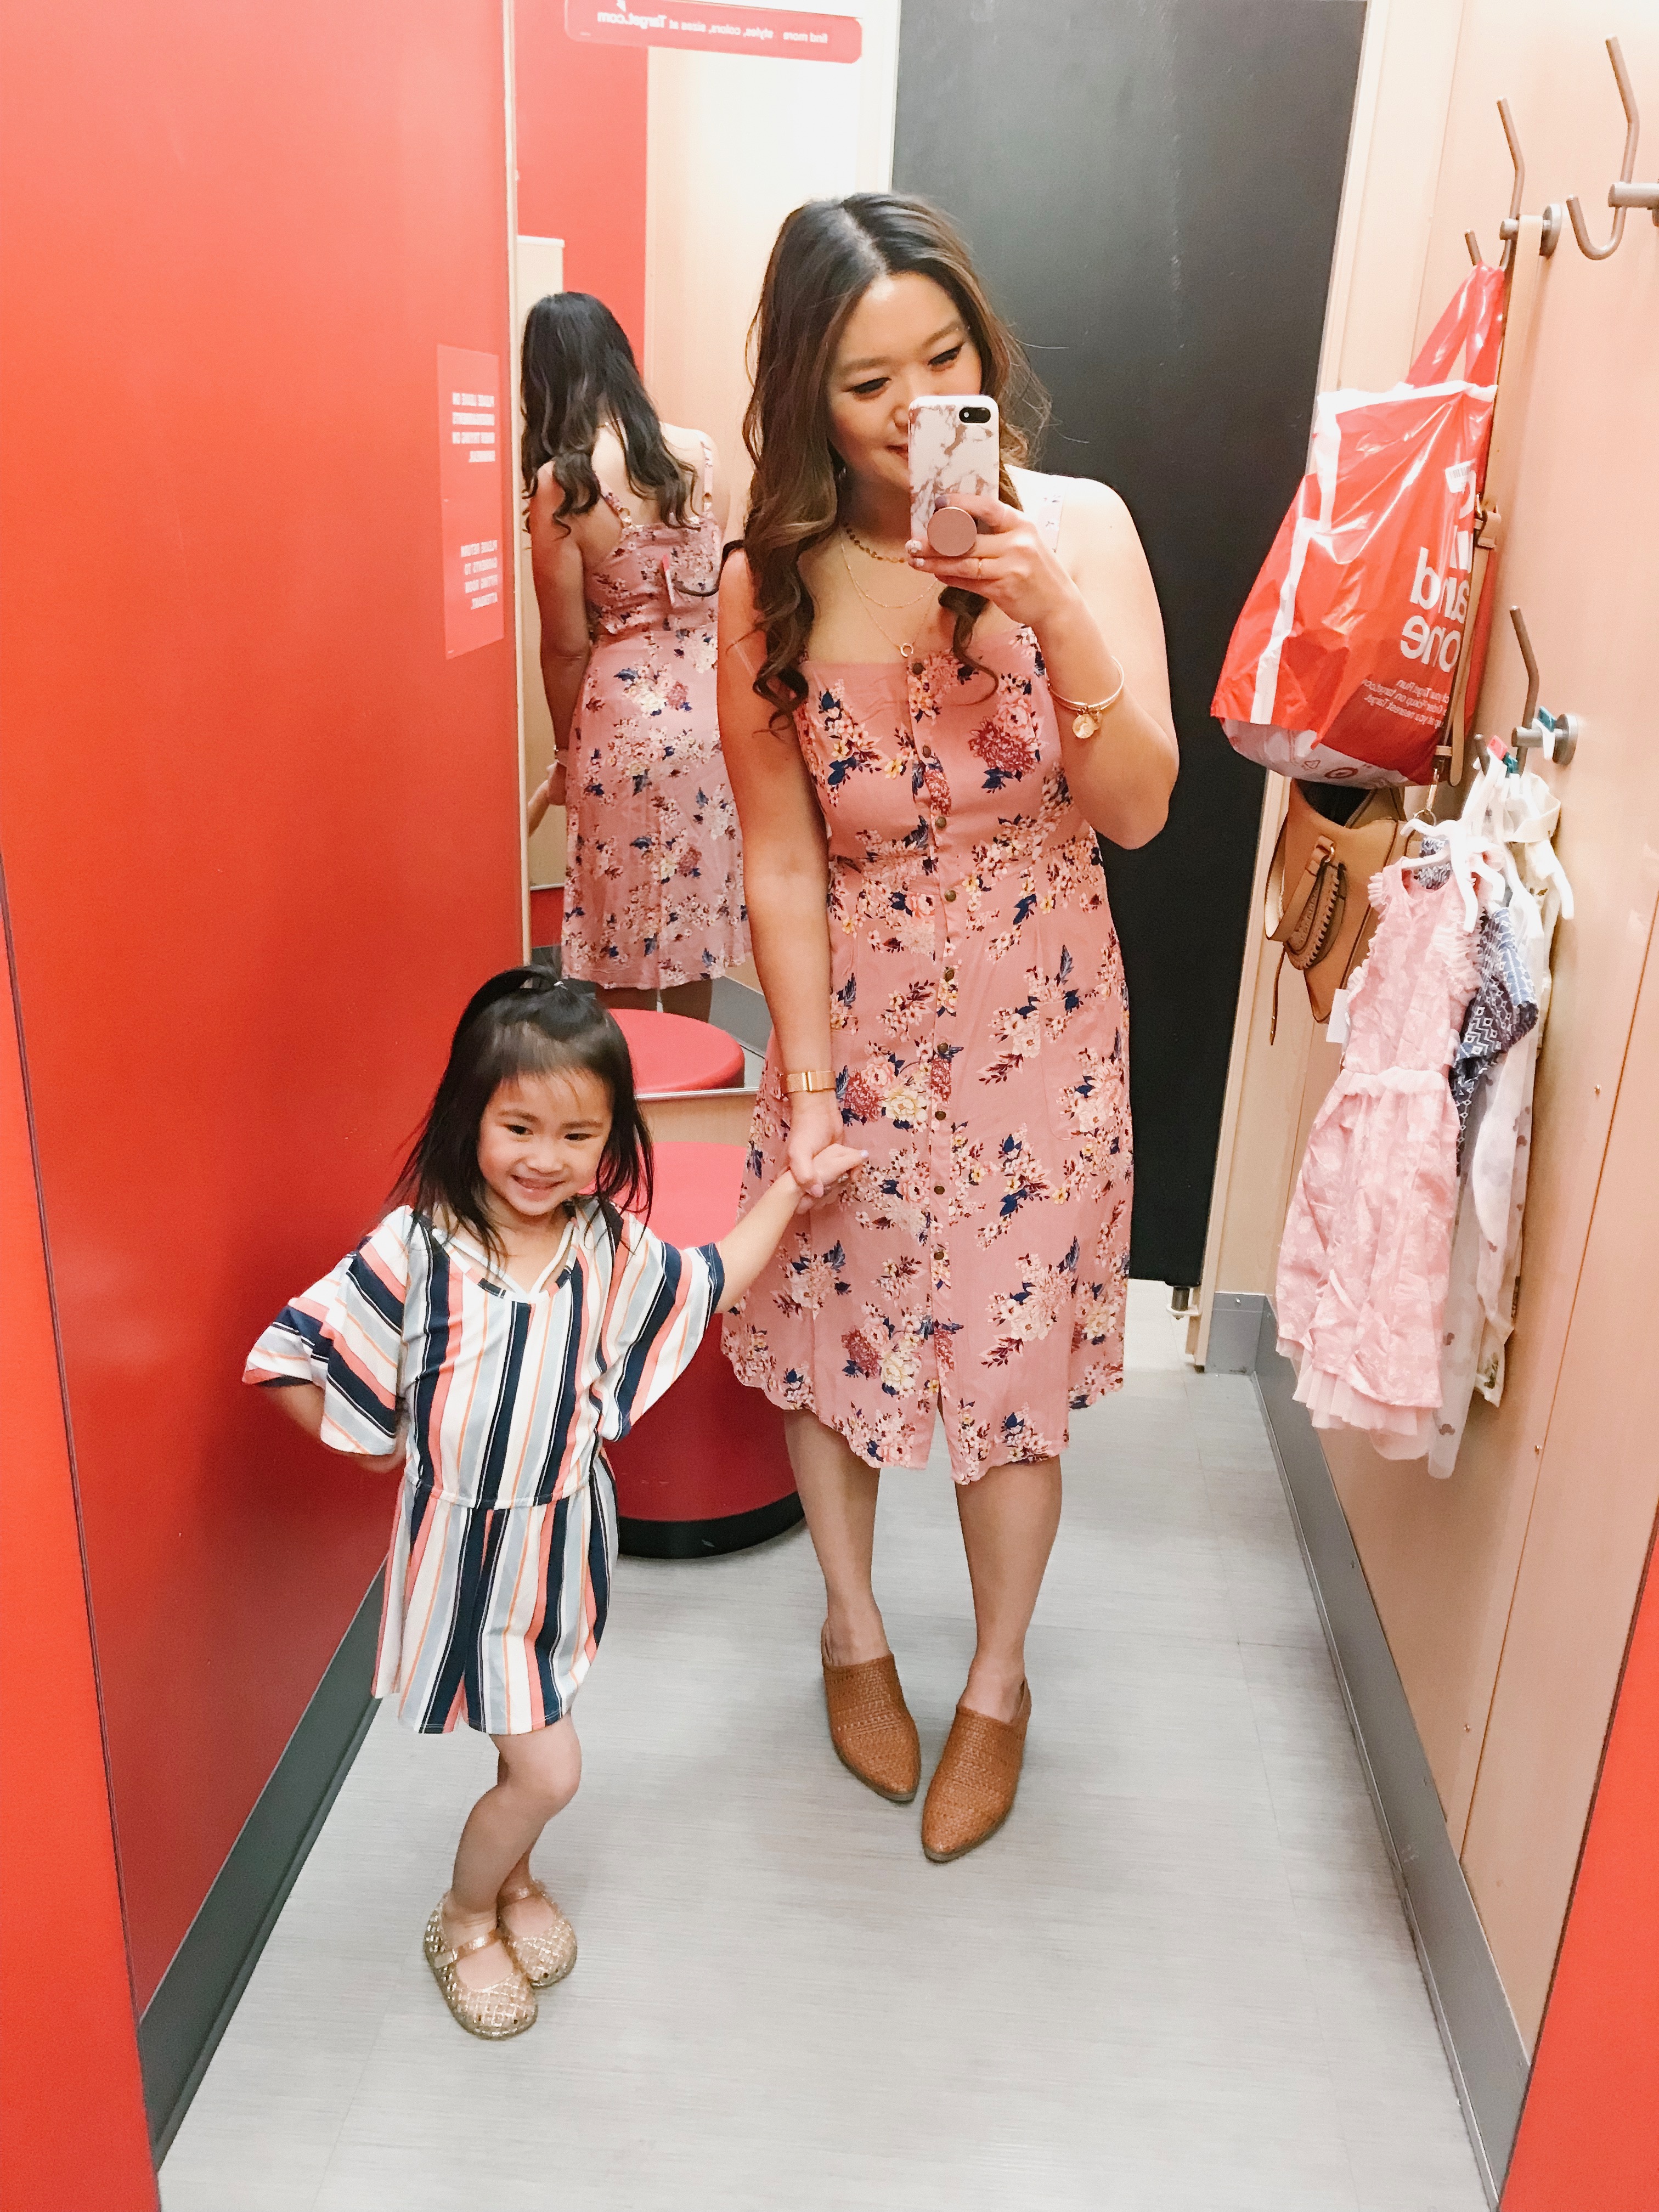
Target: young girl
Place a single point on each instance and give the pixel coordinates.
(488, 1337)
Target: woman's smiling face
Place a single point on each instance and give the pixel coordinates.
(904, 340)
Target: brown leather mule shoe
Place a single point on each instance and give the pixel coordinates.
(972, 1791)
(870, 1727)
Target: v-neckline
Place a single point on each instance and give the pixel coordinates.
(467, 1248)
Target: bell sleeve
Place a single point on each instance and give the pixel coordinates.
(345, 1334)
(662, 1298)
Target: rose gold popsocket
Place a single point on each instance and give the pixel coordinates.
(951, 531)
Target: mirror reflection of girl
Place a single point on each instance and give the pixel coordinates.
(486, 1338)
(626, 513)
(923, 752)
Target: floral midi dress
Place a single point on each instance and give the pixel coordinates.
(977, 1267)
(654, 870)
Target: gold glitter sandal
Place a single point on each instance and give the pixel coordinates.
(504, 2007)
(547, 1955)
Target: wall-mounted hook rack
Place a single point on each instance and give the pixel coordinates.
(1623, 195)
(1509, 229)
(1557, 734)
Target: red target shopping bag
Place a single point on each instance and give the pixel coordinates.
(1342, 664)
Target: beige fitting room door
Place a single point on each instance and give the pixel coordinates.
(539, 269)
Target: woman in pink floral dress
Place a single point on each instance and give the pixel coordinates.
(931, 929)
(625, 517)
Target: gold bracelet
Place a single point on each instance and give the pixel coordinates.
(1090, 713)
(810, 1079)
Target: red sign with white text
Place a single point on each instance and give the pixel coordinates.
(783, 34)
(470, 482)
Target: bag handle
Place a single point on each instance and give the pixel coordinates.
(1472, 326)
(1519, 294)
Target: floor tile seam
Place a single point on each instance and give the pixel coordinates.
(1326, 2070)
(1235, 1582)
(350, 2105)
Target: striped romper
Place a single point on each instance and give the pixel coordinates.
(499, 1579)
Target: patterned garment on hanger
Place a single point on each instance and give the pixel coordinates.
(1503, 1008)
(1363, 1262)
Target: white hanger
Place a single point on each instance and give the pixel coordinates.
(1466, 855)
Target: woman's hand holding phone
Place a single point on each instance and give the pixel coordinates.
(1010, 565)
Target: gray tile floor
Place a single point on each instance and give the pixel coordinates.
(1179, 1978)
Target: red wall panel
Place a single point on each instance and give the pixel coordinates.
(71, 2106)
(261, 837)
(582, 158)
(1589, 2132)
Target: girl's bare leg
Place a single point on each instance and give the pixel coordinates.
(535, 1776)
(1009, 1517)
(838, 1490)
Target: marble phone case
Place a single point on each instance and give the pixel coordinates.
(949, 457)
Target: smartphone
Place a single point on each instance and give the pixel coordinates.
(955, 448)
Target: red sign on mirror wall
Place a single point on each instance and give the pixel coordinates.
(470, 482)
(784, 34)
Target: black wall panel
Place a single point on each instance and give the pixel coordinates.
(1151, 188)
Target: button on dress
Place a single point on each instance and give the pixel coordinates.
(653, 872)
(976, 1267)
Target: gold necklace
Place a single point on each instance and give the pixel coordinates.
(892, 606)
(903, 648)
(893, 560)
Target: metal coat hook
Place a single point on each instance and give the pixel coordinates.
(1509, 229)
(1623, 195)
(1558, 734)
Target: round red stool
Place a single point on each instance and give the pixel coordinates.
(705, 1469)
(671, 1053)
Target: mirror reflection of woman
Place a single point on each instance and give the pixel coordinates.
(923, 752)
(626, 514)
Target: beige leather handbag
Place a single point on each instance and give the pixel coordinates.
(1324, 920)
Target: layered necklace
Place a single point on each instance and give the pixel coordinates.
(929, 598)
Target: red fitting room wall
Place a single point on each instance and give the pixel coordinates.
(67, 2031)
(582, 118)
(1588, 2134)
(261, 837)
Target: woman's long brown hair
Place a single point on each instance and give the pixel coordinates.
(577, 373)
(827, 254)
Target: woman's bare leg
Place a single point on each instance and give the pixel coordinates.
(537, 1777)
(639, 1002)
(838, 1490)
(691, 1000)
(1008, 1516)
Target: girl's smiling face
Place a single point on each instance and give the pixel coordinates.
(904, 340)
(540, 1142)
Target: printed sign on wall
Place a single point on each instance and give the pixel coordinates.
(784, 34)
(470, 482)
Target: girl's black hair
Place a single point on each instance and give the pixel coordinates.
(524, 1022)
(577, 374)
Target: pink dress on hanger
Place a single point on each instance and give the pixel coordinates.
(654, 872)
(1364, 1265)
(976, 1268)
